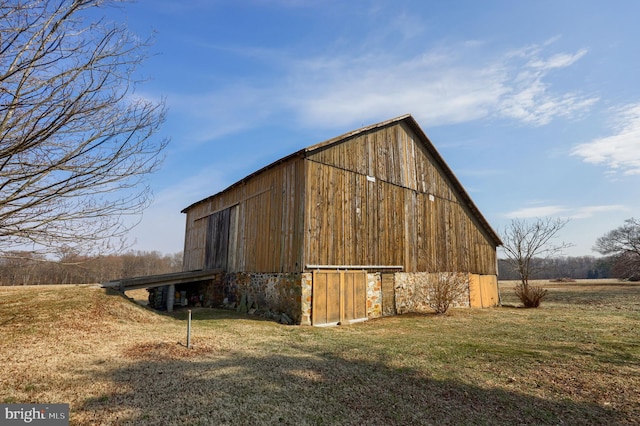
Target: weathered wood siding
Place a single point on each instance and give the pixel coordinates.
(260, 220)
(381, 199)
(378, 198)
(483, 291)
(339, 297)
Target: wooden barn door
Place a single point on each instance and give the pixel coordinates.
(339, 297)
(326, 298)
(221, 233)
(483, 291)
(354, 296)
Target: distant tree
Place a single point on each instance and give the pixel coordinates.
(21, 268)
(75, 141)
(623, 243)
(626, 266)
(581, 267)
(524, 241)
(604, 266)
(71, 267)
(176, 261)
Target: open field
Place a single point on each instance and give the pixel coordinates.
(576, 360)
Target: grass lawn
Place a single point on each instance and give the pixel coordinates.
(575, 360)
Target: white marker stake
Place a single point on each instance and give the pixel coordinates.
(189, 330)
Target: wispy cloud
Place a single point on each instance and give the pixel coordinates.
(439, 87)
(183, 192)
(560, 60)
(531, 99)
(583, 212)
(540, 211)
(532, 104)
(375, 87)
(590, 211)
(444, 85)
(209, 115)
(620, 152)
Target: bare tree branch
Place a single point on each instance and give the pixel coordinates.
(75, 142)
(624, 239)
(522, 241)
(624, 244)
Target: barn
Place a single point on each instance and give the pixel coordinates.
(343, 231)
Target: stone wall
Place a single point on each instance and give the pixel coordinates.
(212, 291)
(374, 295)
(413, 291)
(280, 293)
(306, 287)
(291, 293)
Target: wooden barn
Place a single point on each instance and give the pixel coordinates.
(343, 231)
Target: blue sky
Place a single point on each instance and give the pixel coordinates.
(534, 105)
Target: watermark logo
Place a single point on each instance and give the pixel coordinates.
(34, 414)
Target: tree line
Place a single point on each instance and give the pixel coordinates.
(531, 253)
(578, 267)
(29, 268)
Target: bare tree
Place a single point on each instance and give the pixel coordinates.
(75, 141)
(624, 244)
(524, 241)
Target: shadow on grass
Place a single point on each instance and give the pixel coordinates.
(198, 313)
(314, 389)
(212, 314)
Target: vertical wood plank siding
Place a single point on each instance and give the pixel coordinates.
(377, 198)
(370, 202)
(267, 211)
(217, 240)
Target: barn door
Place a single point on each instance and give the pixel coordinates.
(221, 232)
(483, 291)
(326, 298)
(339, 297)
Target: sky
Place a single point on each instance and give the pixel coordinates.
(534, 105)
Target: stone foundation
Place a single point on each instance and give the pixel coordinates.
(292, 294)
(306, 286)
(374, 295)
(280, 293)
(412, 291)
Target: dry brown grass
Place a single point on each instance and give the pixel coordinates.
(575, 360)
(140, 296)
